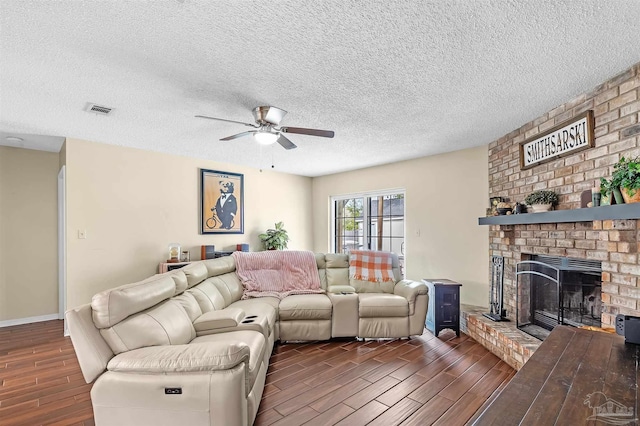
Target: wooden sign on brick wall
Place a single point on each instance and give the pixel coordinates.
(564, 139)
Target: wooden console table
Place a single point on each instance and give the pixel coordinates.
(575, 377)
(167, 266)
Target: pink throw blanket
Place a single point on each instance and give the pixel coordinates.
(367, 265)
(277, 273)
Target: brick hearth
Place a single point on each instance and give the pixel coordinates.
(502, 338)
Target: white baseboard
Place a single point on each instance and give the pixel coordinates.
(29, 320)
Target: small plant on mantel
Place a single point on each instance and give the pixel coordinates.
(275, 239)
(626, 176)
(542, 201)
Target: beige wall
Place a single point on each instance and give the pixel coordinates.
(28, 233)
(133, 203)
(445, 195)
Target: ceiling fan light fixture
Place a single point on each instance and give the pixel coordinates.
(265, 138)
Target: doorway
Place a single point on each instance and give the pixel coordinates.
(62, 246)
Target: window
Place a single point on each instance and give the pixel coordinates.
(373, 221)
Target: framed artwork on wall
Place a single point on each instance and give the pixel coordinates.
(221, 202)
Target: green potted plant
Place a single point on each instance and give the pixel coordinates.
(275, 239)
(606, 192)
(626, 177)
(542, 201)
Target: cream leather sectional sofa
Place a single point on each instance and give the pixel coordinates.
(183, 348)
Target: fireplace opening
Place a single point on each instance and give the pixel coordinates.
(557, 290)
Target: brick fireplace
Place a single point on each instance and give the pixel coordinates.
(614, 242)
(610, 240)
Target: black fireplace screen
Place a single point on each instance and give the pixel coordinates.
(557, 290)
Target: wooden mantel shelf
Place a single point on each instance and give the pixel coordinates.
(621, 211)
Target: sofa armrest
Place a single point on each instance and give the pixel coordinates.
(225, 318)
(194, 357)
(341, 289)
(410, 290)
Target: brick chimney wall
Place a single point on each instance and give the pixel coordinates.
(616, 106)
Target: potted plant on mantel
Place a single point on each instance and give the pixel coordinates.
(542, 201)
(275, 239)
(626, 176)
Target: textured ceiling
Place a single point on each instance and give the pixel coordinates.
(394, 80)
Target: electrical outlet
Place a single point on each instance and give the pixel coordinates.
(82, 234)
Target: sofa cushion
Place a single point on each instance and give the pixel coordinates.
(112, 306)
(182, 358)
(208, 296)
(305, 307)
(322, 269)
(341, 289)
(372, 287)
(180, 279)
(336, 260)
(229, 286)
(253, 339)
(195, 272)
(336, 269)
(190, 305)
(219, 266)
(373, 305)
(164, 324)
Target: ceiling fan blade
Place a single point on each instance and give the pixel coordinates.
(286, 143)
(311, 132)
(228, 121)
(239, 135)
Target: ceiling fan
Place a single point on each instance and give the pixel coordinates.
(267, 119)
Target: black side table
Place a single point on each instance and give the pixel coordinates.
(444, 305)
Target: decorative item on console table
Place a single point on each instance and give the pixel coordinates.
(207, 252)
(444, 305)
(542, 201)
(174, 253)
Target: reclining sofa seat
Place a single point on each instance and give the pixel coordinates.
(183, 347)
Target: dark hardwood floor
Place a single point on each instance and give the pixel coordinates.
(425, 380)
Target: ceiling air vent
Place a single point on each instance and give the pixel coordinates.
(98, 109)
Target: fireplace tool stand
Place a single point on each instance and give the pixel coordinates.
(496, 311)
